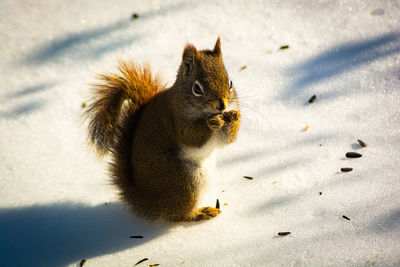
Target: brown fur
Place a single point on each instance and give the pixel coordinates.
(135, 84)
(154, 137)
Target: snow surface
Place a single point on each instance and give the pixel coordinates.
(53, 190)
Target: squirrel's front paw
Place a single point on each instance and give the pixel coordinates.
(231, 116)
(215, 122)
(206, 213)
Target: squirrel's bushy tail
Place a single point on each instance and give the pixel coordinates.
(134, 83)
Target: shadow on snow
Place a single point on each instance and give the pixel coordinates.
(64, 233)
(88, 44)
(29, 92)
(338, 60)
(93, 43)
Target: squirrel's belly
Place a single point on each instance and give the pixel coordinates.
(201, 164)
(199, 155)
(202, 160)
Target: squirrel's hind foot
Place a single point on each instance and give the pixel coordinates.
(206, 213)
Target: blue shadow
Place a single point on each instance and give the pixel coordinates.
(30, 90)
(23, 109)
(340, 59)
(63, 234)
(93, 43)
(83, 45)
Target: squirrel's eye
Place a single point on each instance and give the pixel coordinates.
(197, 89)
(230, 86)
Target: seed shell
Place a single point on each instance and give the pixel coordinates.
(284, 47)
(284, 233)
(361, 143)
(248, 177)
(346, 169)
(312, 99)
(136, 236)
(353, 155)
(139, 262)
(217, 205)
(345, 217)
(83, 261)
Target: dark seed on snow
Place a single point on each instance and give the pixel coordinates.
(82, 263)
(353, 155)
(312, 99)
(284, 233)
(145, 259)
(320, 193)
(217, 205)
(136, 236)
(346, 169)
(361, 143)
(135, 16)
(345, 217)
(284, 47)
(248, 177)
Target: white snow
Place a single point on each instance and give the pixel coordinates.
(53, 189)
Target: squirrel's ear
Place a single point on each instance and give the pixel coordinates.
(217, 47)
(190, 55)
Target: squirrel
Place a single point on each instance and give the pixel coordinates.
(159, 138)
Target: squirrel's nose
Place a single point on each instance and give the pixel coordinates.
(220, 106)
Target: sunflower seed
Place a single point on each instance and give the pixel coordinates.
(217, 205)
(284, 233)
(82, 263)
(312, 99)
(248, 177)
(353, 155)
(346, 169)
(284, 47)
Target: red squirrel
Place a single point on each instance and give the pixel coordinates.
(158, 138)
